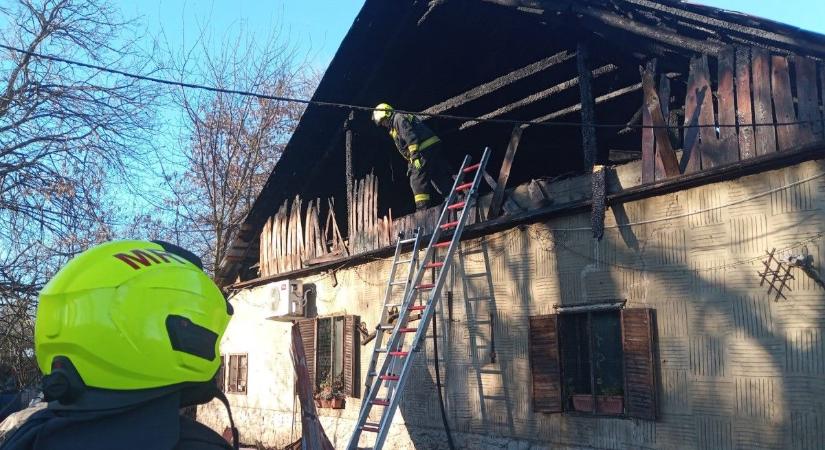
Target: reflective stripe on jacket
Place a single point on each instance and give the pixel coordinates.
(411, 135)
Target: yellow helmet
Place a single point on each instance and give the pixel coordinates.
(381, 112)
(128, 315)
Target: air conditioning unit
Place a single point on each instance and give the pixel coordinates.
(287, 302)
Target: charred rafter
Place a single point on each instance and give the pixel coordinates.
(500, 82)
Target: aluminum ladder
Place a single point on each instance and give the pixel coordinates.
(388, 386)
(389, 308)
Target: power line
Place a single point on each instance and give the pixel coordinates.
(371, 108)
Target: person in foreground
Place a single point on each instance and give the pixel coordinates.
(126, 334)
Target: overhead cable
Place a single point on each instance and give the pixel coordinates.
(349, 106)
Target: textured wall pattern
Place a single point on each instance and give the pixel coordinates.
(736, 370)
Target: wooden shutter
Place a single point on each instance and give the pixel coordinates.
(639, 369)
(352, 361)
(242, 371)
(220, 377)
(307, 328)
(544, 363)
(233, 374)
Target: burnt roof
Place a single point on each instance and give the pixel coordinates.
(416, 54)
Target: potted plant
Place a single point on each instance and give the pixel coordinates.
(330, 394)
(582, 402)
(611, 401)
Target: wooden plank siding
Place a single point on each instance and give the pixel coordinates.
(639, 368)
(772, 101)
(545, 363)
(728, 151)
(744, 103)
(762, 107)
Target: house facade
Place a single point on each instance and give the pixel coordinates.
(649, 286)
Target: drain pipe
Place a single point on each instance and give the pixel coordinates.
(438, 387)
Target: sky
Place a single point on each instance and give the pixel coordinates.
(315, 27)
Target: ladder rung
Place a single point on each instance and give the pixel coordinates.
(381, 402)
(458, 205)
(389, 377)
(386, 327)
(408, 241)
(472, 168)
(464, 187)
(399, 353)
(417, 308)
(442, 244)
(370, 429)
(403, 261)
(449, 225)
(425, 286)
(390, 305)
(434, 265)
(398, 283)
(407, 330)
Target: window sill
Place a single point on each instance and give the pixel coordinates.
(594, 415)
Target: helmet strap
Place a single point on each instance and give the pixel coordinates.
(235, 438)
(64, 383)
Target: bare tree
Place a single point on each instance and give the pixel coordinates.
(67, 135)
(231, 142)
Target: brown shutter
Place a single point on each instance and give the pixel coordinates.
(220, 377)
(351, 356)
(639, 369)
(233, 373)
(544, 363)
(307, 328)
(243, 368)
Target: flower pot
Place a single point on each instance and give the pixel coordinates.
(583, 402)
(337, 403)
(609, 404)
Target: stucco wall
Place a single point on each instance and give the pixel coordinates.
(737, 369)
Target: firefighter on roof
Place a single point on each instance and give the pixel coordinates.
(421, 148)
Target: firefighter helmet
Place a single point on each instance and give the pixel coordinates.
(128, 315)
(381, 112)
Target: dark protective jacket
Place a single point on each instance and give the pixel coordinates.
(153, 425)
(411, 135)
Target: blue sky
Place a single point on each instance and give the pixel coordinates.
(317, 26)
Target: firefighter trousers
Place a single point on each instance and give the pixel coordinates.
(429, 174)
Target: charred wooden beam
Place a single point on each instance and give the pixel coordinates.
(348, 144)
(647, 31)
(500, 82)
(653, 106)
(599, 100)
(553, 90)
(589, 145)
(758, 33)
(504, 174)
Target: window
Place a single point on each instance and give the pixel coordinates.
(237, 374)
(330, 352)
(334, 343)
(591, 362)
(594, 363)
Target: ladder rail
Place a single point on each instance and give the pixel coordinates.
(471, 199)
(388, 295)
(379, 338)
